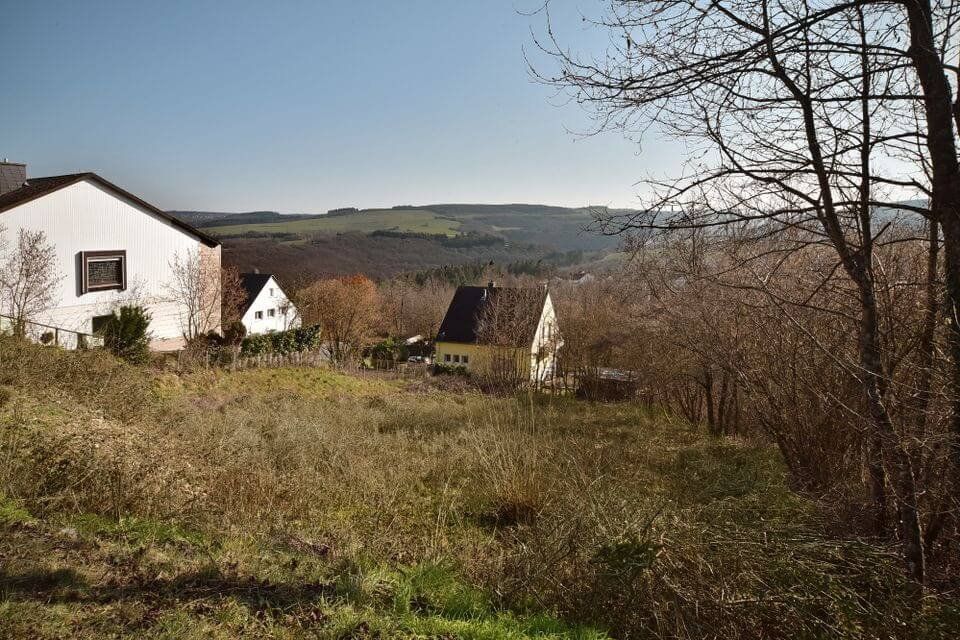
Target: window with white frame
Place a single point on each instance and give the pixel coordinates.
(465, 359)
(446, 357)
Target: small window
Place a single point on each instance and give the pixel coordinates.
(99, 322)
(271, 292)
(446, 357)
(456, 358)
(272, 312)
(103, 270)
(465, 359)
(258, 315)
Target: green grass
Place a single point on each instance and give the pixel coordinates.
(403, 220)
(12, 513)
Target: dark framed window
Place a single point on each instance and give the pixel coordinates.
(99, 322)
(272, 312)
(103, 271)
(446, 357)
(258, 315)
(465, 359)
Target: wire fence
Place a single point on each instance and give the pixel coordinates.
(49, 334)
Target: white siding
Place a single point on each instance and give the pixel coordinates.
(270, 297)
(87, 217)
(546, 338)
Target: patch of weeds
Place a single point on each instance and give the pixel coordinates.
(493, 626)
(415, 420)
(137, 530)
(12, 513)
(627, 558)
(699, 475)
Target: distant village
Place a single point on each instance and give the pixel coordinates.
(103, 248)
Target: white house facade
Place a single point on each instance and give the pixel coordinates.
(112, 248)
(267, 307)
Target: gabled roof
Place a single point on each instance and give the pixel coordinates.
(35, 188)
(253, 284)
(513, 315)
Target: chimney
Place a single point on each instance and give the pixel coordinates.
(12, 176)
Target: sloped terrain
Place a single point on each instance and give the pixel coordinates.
(305, 503)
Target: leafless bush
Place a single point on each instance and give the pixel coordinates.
(28, 277)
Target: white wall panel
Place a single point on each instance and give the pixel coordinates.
(87, 217)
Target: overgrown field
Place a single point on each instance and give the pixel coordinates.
(302, 503)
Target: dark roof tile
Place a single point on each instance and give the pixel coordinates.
(516, 320)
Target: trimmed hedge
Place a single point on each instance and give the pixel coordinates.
(282, 342)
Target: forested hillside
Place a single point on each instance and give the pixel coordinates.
(386, 242)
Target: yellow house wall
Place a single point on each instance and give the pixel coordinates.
(479, 356)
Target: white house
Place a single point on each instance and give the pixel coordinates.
(267, 308)
(111, 248)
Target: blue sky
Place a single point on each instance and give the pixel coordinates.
(306, 106)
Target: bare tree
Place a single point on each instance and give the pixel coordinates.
(804, 123)
(195, 288)
(347, 310)
(232, 296)
(28, 278)
(411, 308)
(506, 326)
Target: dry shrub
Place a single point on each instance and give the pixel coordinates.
(79, 462)
(89, 378)
(512, 463)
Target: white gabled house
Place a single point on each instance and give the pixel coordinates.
(267, 307)
(111, 248)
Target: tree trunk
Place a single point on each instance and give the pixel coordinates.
(941, 115)
(884, 440)
(708, 397)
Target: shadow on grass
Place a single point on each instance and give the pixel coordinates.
(65, 585)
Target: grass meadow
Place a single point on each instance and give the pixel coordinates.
(306, 503)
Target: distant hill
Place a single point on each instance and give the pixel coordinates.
(556, 228)
(385, 242)
(214, 218)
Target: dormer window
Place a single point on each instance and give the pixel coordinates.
(103, 271)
